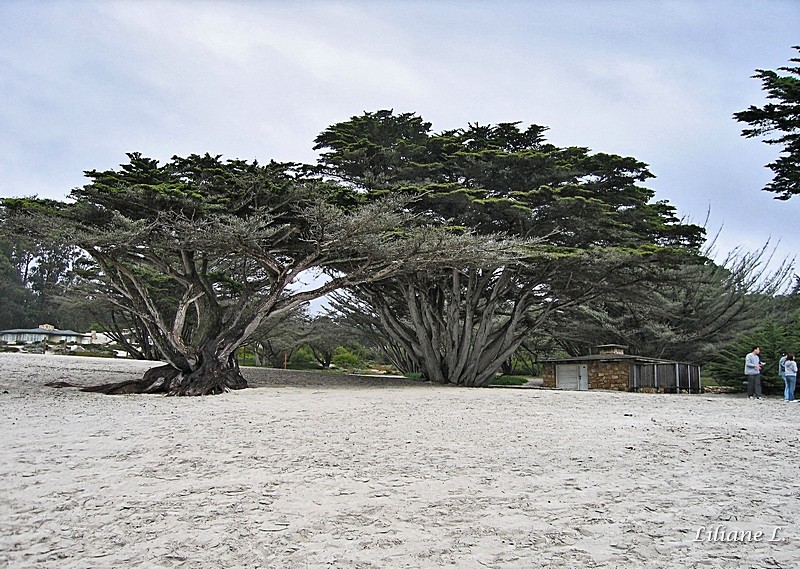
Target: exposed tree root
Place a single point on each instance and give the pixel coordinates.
(166, 379)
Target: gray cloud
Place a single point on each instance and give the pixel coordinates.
(83, 83)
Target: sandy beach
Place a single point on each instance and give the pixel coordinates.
(315, 471)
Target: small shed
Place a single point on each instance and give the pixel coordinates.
(611, 368)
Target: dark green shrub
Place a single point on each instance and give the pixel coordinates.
(344, 358)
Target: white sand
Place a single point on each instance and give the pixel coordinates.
(339, 473)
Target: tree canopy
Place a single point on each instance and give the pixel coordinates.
(779, 121)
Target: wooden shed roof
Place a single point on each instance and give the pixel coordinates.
(610, 358)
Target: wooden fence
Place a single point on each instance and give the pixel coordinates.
(666, 377)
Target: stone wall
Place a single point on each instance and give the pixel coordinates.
(549, 376)
(609, 375)
(612, 375)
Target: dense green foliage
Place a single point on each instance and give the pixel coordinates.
(38, 284)
(15, 298)
(776, 331)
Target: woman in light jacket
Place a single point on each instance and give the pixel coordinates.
(790, 379)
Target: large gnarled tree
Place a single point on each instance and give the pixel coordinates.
(201, 251)
(591, 230)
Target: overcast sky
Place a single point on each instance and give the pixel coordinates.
(82, 83)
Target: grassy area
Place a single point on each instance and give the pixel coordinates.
(509, 380)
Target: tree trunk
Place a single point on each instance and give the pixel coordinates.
(211, 377)
(459, 328)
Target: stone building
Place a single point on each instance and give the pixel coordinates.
(611, 368)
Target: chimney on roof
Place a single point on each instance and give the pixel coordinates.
(615, 349)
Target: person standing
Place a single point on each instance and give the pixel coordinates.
(790, 377)
(780, 365)
(752, 370)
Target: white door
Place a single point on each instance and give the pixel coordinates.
(574, 377)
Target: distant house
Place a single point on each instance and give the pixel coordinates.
(612, 369)
(44, 332)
